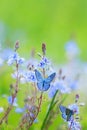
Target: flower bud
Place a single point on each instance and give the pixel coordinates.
(16, 45)
(44, 48)
(76, 98)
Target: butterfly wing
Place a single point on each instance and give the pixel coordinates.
(63, 111)
(66, 113)
(39, 80)
(69, 113)
(43, 84)
(48, 80)
(64, 116)
(38, 76)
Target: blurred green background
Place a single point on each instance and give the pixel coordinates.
(33, 22)
(50, 21)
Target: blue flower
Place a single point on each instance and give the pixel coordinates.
(16, 74)
(6, 53)
(19, 110)
(20, 61)
(74, 85)
(12, 58)
(58, 85)
(15, 58)
(30, 76)
(43, 62)
(72, 49)
(32, 115)
(74, 125)
(36, 120)
(74, 107)
(10, 101)
(62, 87)
(71, 46)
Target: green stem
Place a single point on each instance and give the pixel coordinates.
(48, 112)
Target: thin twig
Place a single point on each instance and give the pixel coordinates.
(13, 97)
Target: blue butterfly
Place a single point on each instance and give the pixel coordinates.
(66, 112)
(43, 84)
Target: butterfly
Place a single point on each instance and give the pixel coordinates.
(43, 84)
(66, 112)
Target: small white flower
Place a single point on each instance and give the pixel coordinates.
(82, 104)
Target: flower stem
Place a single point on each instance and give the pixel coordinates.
(13, 97)
(23, 122)
(48, 112)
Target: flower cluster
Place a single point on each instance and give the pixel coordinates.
(15, 58)
(35, 78)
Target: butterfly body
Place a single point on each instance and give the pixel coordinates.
(43, 84)
(66, 112)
